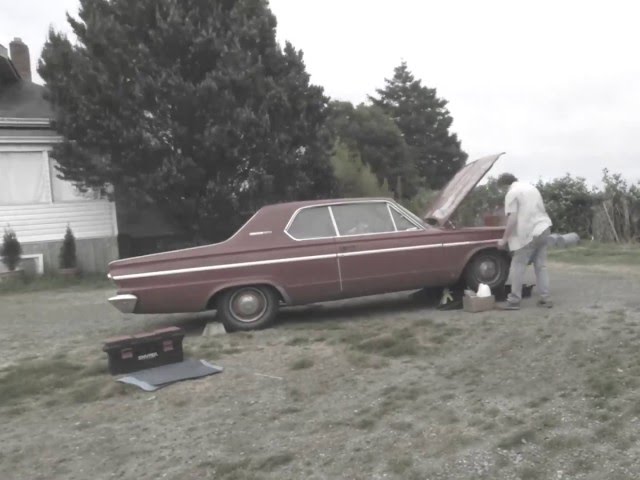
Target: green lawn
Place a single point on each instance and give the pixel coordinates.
(53, 282)
(598, 254)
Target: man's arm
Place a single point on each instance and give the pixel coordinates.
(508, 231)
(511, 210)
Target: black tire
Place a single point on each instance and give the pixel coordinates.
(248, 308)
(490, 267)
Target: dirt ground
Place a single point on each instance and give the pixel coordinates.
(372, 388)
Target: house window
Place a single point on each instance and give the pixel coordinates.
(23, 178)
(64, 191)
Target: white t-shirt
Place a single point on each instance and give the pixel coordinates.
(524, 201)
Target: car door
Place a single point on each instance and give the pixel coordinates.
(382, 250)
(312, 274)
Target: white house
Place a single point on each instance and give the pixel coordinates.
(36, 204)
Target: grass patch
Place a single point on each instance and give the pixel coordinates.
(54, 282)
(302, 364)
(598, 254)
(296, 341)
(274, 462)
(362, 360)
(564, 442)
(231, 351)
(604, 386)
(400, 465)
(399, 343)
(517, 439)
(228, 470)
(531, 473)
(401, 426)
(51, 378)
(424, 322)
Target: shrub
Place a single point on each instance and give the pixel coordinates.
(68, 250)
(11, 249)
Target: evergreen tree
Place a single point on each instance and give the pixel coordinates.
(369, 130)
(424, 121)
(189, 103)
(355, 178)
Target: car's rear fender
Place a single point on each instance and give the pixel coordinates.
(221, 288)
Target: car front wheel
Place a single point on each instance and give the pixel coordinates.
(490, 268)
(248, 308)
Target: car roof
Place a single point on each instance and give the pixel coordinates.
(292, 206)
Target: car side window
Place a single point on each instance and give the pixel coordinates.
(311, 223)
(402, 223)
(362, 218)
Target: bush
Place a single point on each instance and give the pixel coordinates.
(11, 250)
(569, 202)
(68, 250)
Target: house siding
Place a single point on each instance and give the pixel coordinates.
(94, 254)
(48, 222)
(41, 228)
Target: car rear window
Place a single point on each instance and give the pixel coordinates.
(362, 218)
(312, 223)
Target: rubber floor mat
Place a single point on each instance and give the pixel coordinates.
(155, 378)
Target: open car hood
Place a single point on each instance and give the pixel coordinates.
(453, 194)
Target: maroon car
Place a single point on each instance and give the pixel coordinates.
(304, 252)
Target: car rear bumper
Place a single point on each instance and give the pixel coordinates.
(125, 303)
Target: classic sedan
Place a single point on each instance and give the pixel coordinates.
(314, 251)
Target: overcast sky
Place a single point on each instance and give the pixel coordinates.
(554, 84)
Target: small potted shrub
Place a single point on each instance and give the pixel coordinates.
(11, 253)
(68, 259)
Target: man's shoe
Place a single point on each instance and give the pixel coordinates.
(509, 306)
(545, 303)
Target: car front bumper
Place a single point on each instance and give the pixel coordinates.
(126, 303)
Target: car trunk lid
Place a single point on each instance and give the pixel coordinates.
(454, 193)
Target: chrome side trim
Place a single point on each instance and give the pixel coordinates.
(460, 244)
(125, 303)
(295, 259)
(223, 267)
(266, 232)
(390, 250)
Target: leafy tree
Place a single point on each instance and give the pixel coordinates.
(355, 179)
(189, 103)
(380, 143)
(424, 122)
(569, 203)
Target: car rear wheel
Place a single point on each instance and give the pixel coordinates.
(490, 268)
(248, 308)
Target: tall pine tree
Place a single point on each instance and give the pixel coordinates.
(190, 103)
(370, 131)
(425, 122)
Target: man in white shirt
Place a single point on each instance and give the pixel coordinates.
(527, 232)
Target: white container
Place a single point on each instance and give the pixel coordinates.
(484, 290)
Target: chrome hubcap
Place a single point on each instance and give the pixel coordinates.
(488, 271)
(248, 305)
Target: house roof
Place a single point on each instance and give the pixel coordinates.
(23, 99)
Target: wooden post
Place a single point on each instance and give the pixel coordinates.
(613, 228)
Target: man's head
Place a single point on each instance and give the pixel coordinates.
(506, 179)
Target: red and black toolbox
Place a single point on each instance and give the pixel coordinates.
(130, 353)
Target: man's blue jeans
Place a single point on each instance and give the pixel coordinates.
(536, 253)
